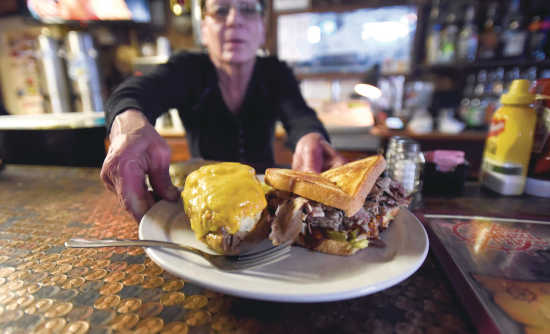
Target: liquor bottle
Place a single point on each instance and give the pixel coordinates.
(493, 90)
(449, 34)
(479, 89)
(470, 85)
(498, 83)
(530, 74)
(489, 39)
(514, 36)
(433, 40)
(489, 84)
(539, 40)
(468, 38)
(511, 75)
(544, 74)
(473, 112)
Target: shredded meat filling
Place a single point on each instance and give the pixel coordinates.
(385, 195)
(231, 242)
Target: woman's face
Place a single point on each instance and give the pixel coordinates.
(232, 30)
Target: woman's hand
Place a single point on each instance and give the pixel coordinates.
(314, 154)
(137, 150)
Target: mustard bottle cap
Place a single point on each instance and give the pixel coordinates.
(518, 93)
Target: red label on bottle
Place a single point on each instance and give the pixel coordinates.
(497, 127)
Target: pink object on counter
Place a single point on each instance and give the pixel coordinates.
(445, 160)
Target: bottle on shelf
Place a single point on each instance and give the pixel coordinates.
(530, 73)
(480, 99)
(514, 36)
(544, 73)
(448, 39)
(479, 89)
(498, 83)
(511, 75)
(538, 175)
(539, 38)
(489, 39)
(470, 85)
(475, 116)
(464, 109)
(490, 82)
(471, 109)
(468, 37)
(434, 31)
(490, 101)
(468, 94)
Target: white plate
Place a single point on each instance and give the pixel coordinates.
(304, 276)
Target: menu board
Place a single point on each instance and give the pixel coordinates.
(499, 267)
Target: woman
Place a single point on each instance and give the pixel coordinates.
(229, 101)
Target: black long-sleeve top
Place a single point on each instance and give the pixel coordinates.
(188, 82)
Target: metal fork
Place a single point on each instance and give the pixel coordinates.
(222, 262)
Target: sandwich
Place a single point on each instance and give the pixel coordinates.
(225, 204)
(178, 171)
(336, 212)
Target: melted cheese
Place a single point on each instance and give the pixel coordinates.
(223, 195)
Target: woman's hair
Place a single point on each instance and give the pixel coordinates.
(203, 5)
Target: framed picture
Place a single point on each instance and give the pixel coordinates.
(500, 269)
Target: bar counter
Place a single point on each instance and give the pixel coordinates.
(45, 287)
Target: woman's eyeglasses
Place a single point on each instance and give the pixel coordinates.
(245, 9)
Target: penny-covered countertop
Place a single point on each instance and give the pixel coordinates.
(47, 288)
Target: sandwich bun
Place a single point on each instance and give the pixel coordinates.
(308, 185)
(329, 246)
(225, 204)
(344, 187)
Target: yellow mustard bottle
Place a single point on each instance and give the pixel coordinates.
(509, 141)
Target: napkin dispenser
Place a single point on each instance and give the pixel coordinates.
(445, 172)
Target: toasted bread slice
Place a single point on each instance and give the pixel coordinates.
(329, 246)
(312, 186)
(344, 187)
(357, 178)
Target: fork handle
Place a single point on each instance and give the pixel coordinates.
(91, 243)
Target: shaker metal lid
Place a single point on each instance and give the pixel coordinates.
(408, 145)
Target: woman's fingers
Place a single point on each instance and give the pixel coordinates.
(331, 157)
(137, 151)
(308, 155)
(314, 154)
(159, 176)
(132, 190)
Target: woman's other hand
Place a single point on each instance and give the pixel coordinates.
(314, 154)
(137, 150)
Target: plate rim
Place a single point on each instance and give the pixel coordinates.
(161, 257)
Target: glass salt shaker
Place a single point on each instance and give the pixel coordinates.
(390, 152)
(407, 165)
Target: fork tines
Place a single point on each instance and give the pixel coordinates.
(261, 257)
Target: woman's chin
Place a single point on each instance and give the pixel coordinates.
(236, 58)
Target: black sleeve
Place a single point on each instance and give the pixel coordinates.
(168, 86)
(297, 117)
